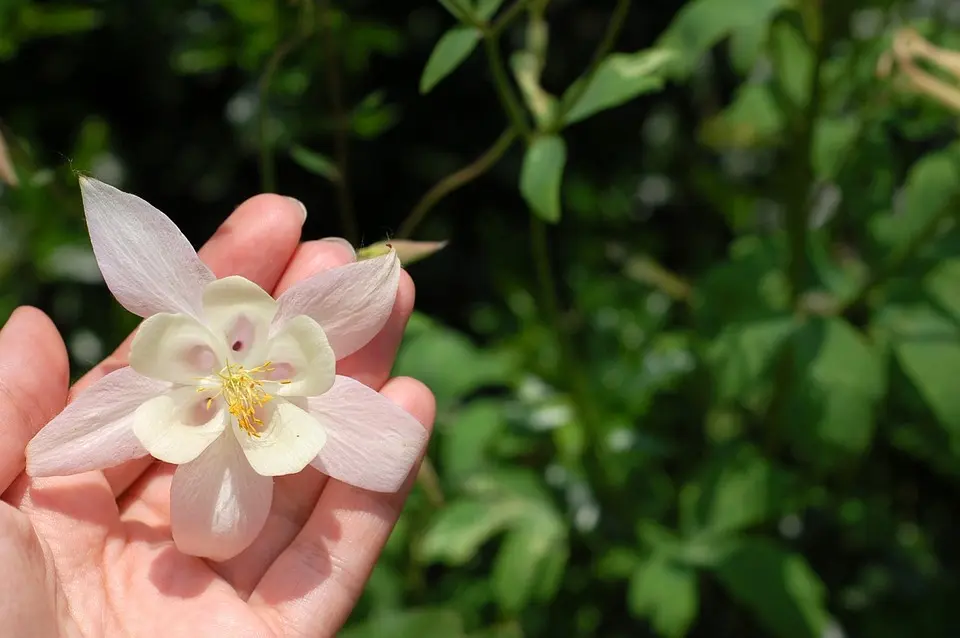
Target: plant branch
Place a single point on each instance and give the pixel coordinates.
(455, 181)
(508, 99)
(340, 132)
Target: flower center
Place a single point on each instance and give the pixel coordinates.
(243, 392)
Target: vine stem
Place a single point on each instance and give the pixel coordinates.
(268, 170)
(457, 180)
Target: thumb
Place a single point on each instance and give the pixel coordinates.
(34, 379)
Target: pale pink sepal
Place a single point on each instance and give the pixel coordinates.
(218, 503)
(146, 261)
(351, 303)
(372, 442)
(95, 431)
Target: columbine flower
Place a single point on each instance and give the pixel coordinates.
(229, 384)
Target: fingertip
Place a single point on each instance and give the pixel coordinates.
(406, 296)
(313, 257)
(257, 240)
(413, 396)
(31, 327)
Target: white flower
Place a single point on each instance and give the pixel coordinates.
(229, 384)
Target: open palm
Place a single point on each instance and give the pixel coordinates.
(92, 554)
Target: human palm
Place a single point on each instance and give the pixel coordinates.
(92, 554)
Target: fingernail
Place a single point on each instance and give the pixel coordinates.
(302, 207)
(343, 242)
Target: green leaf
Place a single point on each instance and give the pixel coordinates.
(457, 531)
(932, 184)
(742, 356)
(752, 120)
(434, 354)
(927, 345)
(541, 176)
(413, 623)
(738, 492)
(54, 19)
(450, 52)
(465, 444)
(787, 597)
(487, 8)
(833, 139)
(701, 24)
(620, 78)
(667, 594)
(316, 163)
(793, 63)
(838, 380)
(531, 561)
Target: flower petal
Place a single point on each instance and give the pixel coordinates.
(95, 431)
(146, 261)
(372, 442)
(301, 354)
(351, 303)
(289, 441)
(218, 504)
(177, 427)
(240, 311)
(176, 348)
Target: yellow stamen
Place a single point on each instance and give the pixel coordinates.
(243, 392)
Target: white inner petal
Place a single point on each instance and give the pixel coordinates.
(175, 348)
(301, 355)
(288, 440)
(241, 312)
(178, 426)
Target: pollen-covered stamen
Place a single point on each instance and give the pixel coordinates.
(243, 392)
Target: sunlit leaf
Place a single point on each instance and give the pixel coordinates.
(450, 51)
(411, 623)
(666, 593)
(838, 379)
(620, 78)
(786, 596)
(541, 176)
(458, 530)
(531, 561)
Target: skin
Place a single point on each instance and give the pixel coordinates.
(91, 555)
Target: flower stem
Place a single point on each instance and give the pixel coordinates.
(455, 181)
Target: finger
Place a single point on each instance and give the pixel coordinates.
(313, 585)
(296, 496)
(256, 241)
(34, 377)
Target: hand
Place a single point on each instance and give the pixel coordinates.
(91, 555)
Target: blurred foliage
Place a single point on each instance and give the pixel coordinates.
(695, 334)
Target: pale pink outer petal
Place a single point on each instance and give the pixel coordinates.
(372, 442)
(163, 426)
(302, 345)
(218, 503)
(231, 300)
(288, 442)
(351, 303)
(146, 261)
(176, 348)
(95, 431)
